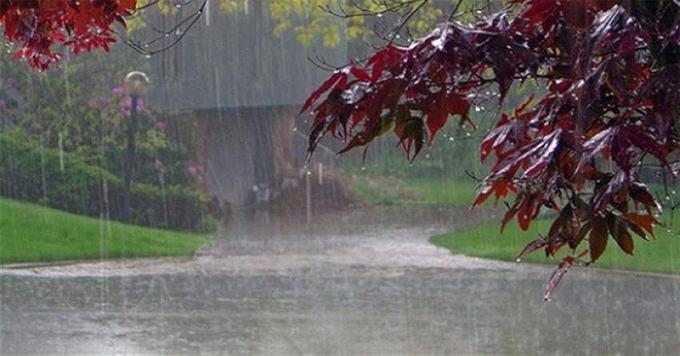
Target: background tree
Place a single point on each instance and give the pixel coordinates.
(36, 26)
(609, 70)
(75, 115)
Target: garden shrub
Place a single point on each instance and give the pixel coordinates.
(67, 182)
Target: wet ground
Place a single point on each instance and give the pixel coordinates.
(358, 283)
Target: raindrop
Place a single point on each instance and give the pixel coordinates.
(207, 13)
(518, 260)
(363, 168)
(178, 5)
(61, 152)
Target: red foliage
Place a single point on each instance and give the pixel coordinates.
(37, 25)
(610, 70)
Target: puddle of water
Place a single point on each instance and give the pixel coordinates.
(482, 312)
(333, 290)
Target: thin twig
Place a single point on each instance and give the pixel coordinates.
(407, 19)
(454, 11)
(189, 21)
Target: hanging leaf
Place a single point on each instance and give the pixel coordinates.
(531, 247)
(333, 80)
(620, 234)
(559, 272)
(598, 238)
(645, 222)
(585, 229)
(437, 115)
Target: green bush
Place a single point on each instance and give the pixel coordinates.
(36, 175)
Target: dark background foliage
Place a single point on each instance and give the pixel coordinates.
(36, 175)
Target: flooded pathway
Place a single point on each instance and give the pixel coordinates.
(357, 283)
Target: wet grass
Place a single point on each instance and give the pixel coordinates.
(32, 233)
(413, 191)
(485, 241)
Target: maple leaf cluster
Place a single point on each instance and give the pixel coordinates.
(610, 79)
(81, 25)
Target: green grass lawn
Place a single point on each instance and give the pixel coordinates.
(32, 233)
(414, 191)
(660, 255)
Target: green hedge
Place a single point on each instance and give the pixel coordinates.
(35, 175)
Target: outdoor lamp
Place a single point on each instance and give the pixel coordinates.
(136, 84)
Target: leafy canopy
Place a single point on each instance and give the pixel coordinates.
(608, 105)
(80, 25)
(318, 25)
(37, 26)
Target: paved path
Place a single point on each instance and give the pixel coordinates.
(361, 282)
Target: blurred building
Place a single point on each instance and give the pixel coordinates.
(242, 87)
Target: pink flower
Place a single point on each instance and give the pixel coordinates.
(160, 126)
(141, 108)
(123, 111)
(119, 91)
(125, 108)
(158, 164)
(195, 170)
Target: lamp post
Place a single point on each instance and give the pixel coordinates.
(135, 85)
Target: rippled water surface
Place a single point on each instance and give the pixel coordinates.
(369, 288)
